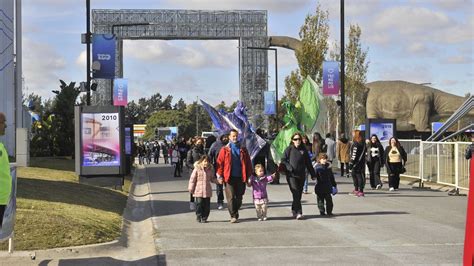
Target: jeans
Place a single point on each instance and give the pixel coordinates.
(234, 190)
(203, 208)
(394, 177)
(177, 169)
(296, 187)
(359, 179)
(321, 198)
(306, 181)
(374, 169)
(2, 211)
(220, 193)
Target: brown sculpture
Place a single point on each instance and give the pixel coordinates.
(414, 106)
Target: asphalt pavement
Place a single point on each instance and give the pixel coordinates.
(404, 227)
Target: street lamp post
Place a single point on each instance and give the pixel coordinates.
(88, 51)
(276, 78)
(343, 97)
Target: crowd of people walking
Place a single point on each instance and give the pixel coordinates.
(227, 164)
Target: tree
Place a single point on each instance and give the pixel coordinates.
(314, 35)
(356, 77)
(63, 122)
(180, 105)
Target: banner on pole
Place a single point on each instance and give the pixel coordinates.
(331, 82)
(269, 100)
(120, 92)
(103, 56)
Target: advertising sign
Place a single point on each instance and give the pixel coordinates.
(383, 128)
(331, 78)
(128, 140)
(269, 100)
(6, 229)
(435, 126)
(120, 92)
(103, 55)
(100, 139)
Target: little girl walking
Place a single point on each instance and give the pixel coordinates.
(200, 186)
(259, 182)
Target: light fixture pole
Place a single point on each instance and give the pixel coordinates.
(343, 97)
(88, 52)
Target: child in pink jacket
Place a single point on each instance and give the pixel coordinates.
(200, 186)
(259, 182)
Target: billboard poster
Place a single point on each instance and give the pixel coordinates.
(383, 130)
(435, 126)
(120, 92)
(331, 78)
(100, 139)
(269, 101)
(103, 55)
(128, 141)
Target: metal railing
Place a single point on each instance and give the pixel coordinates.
(437, 162)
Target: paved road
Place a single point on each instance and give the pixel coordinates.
(385, 228)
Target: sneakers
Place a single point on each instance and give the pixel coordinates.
(220, 206)
(265, 218)
(204, 220)
(354, 192)
(360, 194)
(322, 213)
(259, 219)
(391, 189)
(192, 206)
(299, 216)
(379, 186)
(233, 220)
(293, 213)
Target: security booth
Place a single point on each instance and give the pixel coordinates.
(100, 145)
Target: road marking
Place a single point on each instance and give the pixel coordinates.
(316, 246)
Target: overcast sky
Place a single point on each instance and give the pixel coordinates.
(422, 41)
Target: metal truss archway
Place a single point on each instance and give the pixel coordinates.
(249, 27)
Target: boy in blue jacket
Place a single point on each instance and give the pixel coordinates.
(325, 184)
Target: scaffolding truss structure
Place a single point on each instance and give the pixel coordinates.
(249, 27)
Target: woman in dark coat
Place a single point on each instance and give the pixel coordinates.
(296, 161)
(357, 163)
(395, 160)
(375, 161)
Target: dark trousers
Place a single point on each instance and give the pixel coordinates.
(156, 158)
(234, 190)
(324, 197)
(203, 207)
(220, 193)
(296, 187)
(358, 177)
(177, 169)
(2, 211)
(342, 169)
(374, 169)
(394, 176)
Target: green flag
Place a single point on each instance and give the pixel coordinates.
(309, 97)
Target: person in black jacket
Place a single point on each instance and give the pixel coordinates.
(194, 154)
(325, 185)
(375, 161)
(213, 153)
(357, 163)
(395, 160)
(296, 161)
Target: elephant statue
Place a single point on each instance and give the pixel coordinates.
(414, 106)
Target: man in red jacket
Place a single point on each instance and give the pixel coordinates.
(234, 166)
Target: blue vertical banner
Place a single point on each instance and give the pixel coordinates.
(120, 92)
(103, 55)
(269, 101)
(331, 82)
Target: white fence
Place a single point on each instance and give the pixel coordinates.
(438, 162)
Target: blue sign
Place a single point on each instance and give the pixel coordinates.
(269, 100)
(435, 126)
(331, 78)
(103, 56)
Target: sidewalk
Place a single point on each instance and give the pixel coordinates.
(135, 247)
